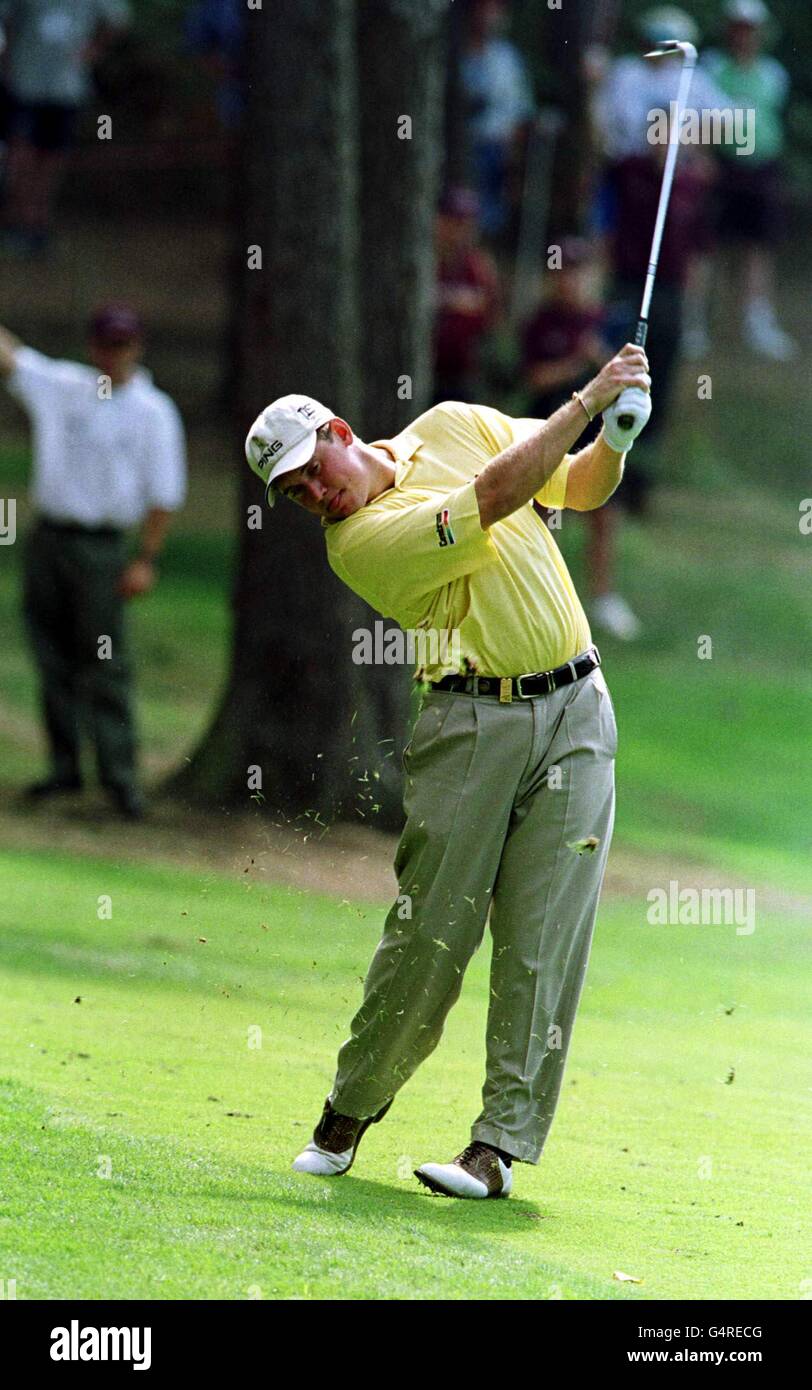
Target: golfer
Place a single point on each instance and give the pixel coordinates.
(509, 796)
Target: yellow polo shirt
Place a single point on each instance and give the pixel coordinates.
(418, 553)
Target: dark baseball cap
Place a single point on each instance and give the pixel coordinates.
(115, 325)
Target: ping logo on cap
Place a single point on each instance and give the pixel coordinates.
(268, 453)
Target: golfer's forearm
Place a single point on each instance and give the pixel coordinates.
(520, 471)
(153, 534)
(9, 347)
(594, 474)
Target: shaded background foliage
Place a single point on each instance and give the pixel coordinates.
(151, 71)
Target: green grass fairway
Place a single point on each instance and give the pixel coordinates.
(145, 1145)
(658, 1166)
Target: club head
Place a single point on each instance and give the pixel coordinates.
(669, 47)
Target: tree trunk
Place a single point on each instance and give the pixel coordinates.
(568, 32)
(457, 166)
(322, 733)
(296, 706)
(400, 50)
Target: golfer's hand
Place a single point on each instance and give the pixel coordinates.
(628, 368)
(138, 578)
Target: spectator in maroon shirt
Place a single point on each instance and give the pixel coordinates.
(563, 343)
(467, 300)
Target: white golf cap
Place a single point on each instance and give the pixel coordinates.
(283, 437)
(668, 22)
(747, 12)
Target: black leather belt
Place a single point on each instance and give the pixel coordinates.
(507, 688)
(75, 528)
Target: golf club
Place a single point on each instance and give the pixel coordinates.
(625, 408)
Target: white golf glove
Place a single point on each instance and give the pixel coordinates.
(634, 403)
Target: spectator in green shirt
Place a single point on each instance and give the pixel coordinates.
(750, 185)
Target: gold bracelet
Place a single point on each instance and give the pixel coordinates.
(576, 396)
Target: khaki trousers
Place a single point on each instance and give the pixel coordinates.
(496, 796)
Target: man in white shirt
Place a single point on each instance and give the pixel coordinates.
(108, 455)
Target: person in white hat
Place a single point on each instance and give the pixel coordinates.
(750, 190)
(509, 777)
(633, 87)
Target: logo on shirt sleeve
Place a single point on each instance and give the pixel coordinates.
(443, 524)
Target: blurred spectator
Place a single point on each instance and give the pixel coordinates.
(636, 183)
(499, 103)
(633, 85)
(563, 346)
(108, 454)
(562, 342)
(632, 89)
(750, 188)
(215, 30)
(52, 48)
(467, 298)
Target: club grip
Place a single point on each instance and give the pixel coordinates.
(626, 417)
(626, 422)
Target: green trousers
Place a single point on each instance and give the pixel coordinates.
(496, 797)
(70, 601)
